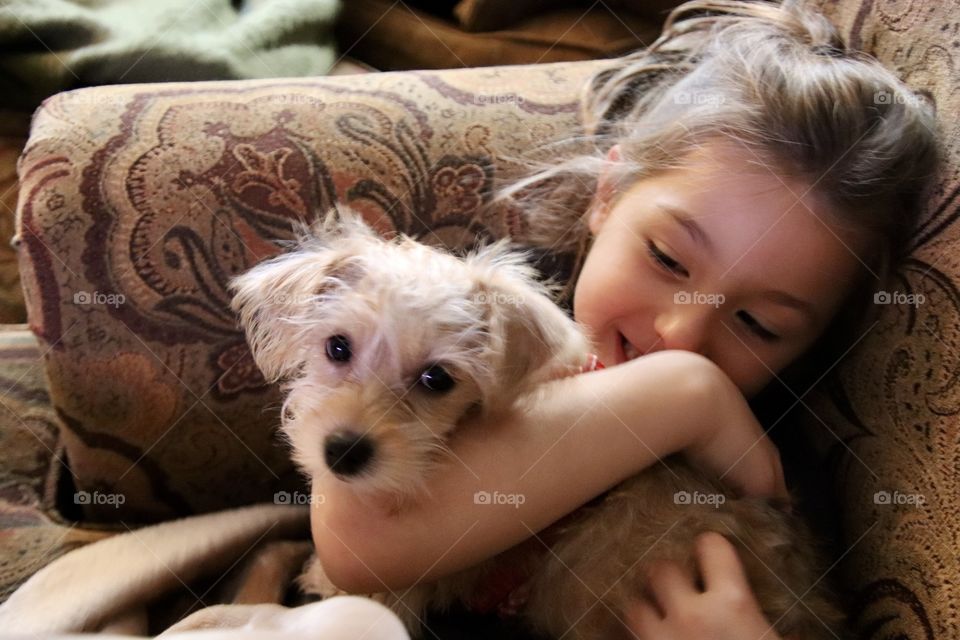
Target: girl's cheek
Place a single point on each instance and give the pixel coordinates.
(745, 366)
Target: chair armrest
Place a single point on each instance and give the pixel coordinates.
(139, 202)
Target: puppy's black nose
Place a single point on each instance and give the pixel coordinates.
(347, 453)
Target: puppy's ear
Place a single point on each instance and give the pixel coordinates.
(280, 300)
(337, 225)
(532, 339)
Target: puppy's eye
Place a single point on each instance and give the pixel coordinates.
(436, 379)
(338, 348)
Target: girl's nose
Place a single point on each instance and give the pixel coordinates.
(683, 327)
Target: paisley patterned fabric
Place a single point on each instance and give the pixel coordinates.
(139, 202)
(33, 531)
(886, 419)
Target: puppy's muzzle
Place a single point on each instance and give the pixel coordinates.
(348, 453)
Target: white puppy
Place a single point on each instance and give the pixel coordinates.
(385, 347)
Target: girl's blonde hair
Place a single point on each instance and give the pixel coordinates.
(777, 79)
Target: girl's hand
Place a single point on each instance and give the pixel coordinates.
(725, 610)
(734, 446)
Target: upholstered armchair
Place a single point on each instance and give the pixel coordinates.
(139, 202)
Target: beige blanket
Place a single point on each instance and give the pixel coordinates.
(107, 586)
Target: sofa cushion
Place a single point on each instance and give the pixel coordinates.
(488, 15)
(32, 530)
(368, 30)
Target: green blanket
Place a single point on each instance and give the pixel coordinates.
(47, 46)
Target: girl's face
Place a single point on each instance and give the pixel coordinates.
(723, 257)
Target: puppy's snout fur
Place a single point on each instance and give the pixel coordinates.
(348, 453)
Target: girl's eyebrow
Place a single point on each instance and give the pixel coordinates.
(787, 300)
(684, 219)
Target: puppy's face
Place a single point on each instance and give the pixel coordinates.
(387, 346)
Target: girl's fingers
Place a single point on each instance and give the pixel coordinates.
(670, 584)
(643, 620)
(720, 565)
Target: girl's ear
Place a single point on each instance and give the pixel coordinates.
(604, 196)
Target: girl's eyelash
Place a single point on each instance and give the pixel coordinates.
(664, 260)
(668, 263)
(759, 330)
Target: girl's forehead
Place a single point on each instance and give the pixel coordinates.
(732, 189)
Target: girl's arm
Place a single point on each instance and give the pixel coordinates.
(578, 437)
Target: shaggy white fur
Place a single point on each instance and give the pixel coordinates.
(385, 346)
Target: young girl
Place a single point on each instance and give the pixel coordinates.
(749, 185)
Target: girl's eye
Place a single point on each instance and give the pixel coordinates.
(664, 260)
(435, 378)
(338, 348)
(758, 329)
